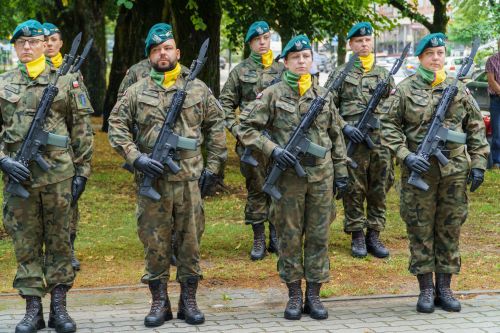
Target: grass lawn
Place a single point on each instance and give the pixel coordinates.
(111, 253)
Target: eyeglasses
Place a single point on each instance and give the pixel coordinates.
(32, 42)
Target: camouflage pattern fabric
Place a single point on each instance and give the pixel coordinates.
(374, 177)
(135, 73)
(146, 104)
(39, 225)
(245, 82)
(305, 210)
(433, 218)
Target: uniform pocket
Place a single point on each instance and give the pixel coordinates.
(192, 110)
(285, 115)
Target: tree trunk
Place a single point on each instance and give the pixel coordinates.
(341, 49)
(189, 39)
(131, 29)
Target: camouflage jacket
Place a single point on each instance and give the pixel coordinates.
(245, 81)
(408, 114)
(135, 73)
(355, 92)
(68, 116)
(279, 110)
(146, 104)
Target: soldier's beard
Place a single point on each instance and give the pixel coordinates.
(163, 69)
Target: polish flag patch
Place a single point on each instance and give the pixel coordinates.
(76, 84)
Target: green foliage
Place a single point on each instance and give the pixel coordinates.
(197, 21)
(126, 3)
(482, 56)
(475, 18)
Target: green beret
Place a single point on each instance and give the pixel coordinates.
(30, 28)
(50, 29)
(296, 44)
(360, 29)
(431, 40)
(256, 29)
(159, 33)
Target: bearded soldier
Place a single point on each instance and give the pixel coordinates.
(304, 212)
(146, 103)
(245, 81)
(373, 177)
(53, 37)
(39, 225)
(434, 217)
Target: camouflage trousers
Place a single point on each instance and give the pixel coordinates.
(433, 220)
(302, 218)
(370, 181)
(39, 227)
(179, 209)
(258, 202)
(74, 216)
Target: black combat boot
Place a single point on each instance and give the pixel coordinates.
(374, 245)
(358, 245)
(425, 302)
(59, 317)
(259, 242)
(273, 239)
(160, 305)
(444, 295)
(33, 319)
(293, 310)
(188, 309)
(173, 259)
(74, 262)
(313, 304)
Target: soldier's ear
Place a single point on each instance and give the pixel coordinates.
(178, 53)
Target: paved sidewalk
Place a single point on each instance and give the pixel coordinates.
(247, 310)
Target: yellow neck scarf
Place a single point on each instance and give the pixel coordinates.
(305, 82)
(432, 77)
(267, 59)
(33, 68)
(367, 62)
(171, 76)
(57, 60)
(439, 77)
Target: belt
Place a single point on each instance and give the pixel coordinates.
(14, 147)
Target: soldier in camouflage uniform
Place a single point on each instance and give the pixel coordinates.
(146, 103)
(53, 37)
(302, 216)
(374, 175)
(245, 81)
(434, 217)
(39, 225)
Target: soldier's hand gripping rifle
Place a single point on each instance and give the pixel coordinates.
(368, 121)
(37, 138)
(437, 135)
(299, 144)
(167, 142)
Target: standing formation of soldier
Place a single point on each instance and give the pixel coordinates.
(261, 105)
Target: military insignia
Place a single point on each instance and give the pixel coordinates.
(298, 45)
(76, 84)
(46, 32)
(83, 100)
(362, 31)
(26, 31)
(156, 38)
(434, 42)
(168, 34)
(259, 95)
(393, 91)
(467, 91)
(259, 30)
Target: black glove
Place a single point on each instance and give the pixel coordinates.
(476, 177)
(77, 188)
(340, 187)
(353, 134)
(207, 182)
(417, 163)
(14, 169)
(283, 157)
(148, 166)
